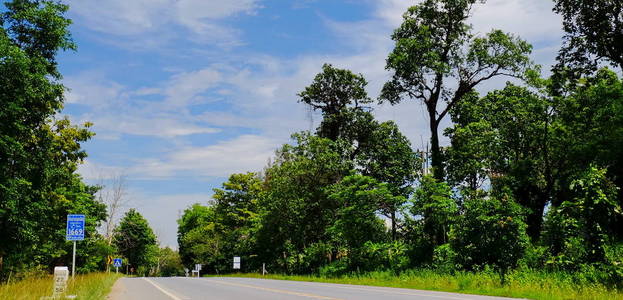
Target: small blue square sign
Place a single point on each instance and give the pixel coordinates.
(117, 262)
(75, 228)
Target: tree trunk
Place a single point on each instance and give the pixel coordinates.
(393, 225)
(436, 155)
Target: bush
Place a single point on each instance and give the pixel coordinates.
(576, 231)
(334, 269)
(444, 259)
(490, 232)
(384, 256)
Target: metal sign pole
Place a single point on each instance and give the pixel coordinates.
(117, 270)
(73, 262)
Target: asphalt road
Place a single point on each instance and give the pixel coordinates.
(181, 288)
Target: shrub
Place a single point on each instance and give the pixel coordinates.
(444, 259)
(490, 232)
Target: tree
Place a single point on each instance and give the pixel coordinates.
(579, 228)
(39, 152)
(387, 156)
(169, 263)
(296, 206)
(506, 139)
(491, 231)
(333, 92)
(136, 241)
(435, 51)
(594, 32)
(236, 207)
(433, 203)
(114, 198)
(359, 198)
(589, 122)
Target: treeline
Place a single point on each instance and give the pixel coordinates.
(40, 153)
(531, 179)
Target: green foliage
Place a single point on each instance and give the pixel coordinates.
(578, 229)
(437, 210)
(593, 32)
(505, 139)
(211, 235)
(491, 232)
(169, 263)
(435, 46)
(297, 209)
(136, 241)
(444, 259)
(358, 198)
(338, 93)
(39, 152)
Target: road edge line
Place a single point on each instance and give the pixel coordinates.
(162, 290)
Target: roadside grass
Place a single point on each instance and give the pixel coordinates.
(93, 286)
(519, 284)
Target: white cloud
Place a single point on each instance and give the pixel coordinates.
(186, 88)
(130, 19)
(115, 109)
(241, 154)
(163, 211)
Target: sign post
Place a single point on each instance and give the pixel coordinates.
(75, 232)
(197, 270)
(117, 263)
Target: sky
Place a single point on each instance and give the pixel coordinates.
(183, 93)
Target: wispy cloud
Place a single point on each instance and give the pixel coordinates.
(151, 21)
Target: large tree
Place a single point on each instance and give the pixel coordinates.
(338, 94)
(386, 155)
(136, 241)
(39, 152)
(505, 139)
(594, 32)
(437, 60)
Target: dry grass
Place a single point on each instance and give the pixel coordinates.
(91, 286)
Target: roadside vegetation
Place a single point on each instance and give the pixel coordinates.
(92, 286)
(40, 152)
(524, 200)
(519, 284)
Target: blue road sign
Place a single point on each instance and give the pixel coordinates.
(117, 262)
(75, 228)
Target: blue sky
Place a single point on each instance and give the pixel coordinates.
(183, 93)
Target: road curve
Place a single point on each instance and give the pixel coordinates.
(230, 288)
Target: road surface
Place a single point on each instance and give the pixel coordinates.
(229, 288)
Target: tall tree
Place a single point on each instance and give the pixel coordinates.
(199, 240)
(594, 32)
(438, 211)
(359, 198)
(435, 51)
(335, 92)
(297, 209)
(386, 155)
(506, 139)
(39, 153)
(136, 241)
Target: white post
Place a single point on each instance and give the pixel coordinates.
(73, 262)
(263, 269)
(117, 270)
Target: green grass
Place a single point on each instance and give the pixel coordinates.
(91, 286)
(520, 284)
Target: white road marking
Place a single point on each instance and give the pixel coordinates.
(162, 290)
